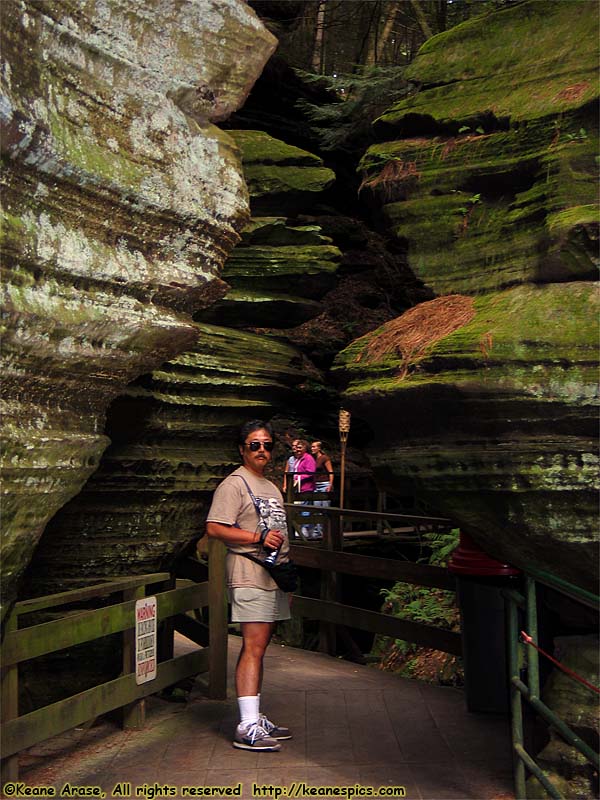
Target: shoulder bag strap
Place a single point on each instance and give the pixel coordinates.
(255, 503)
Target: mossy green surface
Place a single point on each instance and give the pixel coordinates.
(288, 188)
(527, 61)
(119, 211)
(280, 177)
(264, 262)
(495, 424)
(246, 308)
(541, 341)
(494, 149)
(257, 147)
(483, 212)
(279, 231)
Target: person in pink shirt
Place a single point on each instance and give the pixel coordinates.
(304, 468)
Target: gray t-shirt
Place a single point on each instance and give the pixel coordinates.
(232, 505)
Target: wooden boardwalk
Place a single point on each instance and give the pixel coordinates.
(353, 726)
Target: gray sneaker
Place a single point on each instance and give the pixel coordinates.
(278, 732)
(254, 737)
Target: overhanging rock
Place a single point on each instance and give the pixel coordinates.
(121, 203)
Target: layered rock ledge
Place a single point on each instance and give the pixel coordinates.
(483, 400)
(121, 202)
(173, 430)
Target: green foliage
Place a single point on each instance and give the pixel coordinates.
(442, 545)
(419, 603)
(435, 607)
(581, 135)
(472, 201)
(346, 125)
(431, 607)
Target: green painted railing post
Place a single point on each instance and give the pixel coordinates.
(530, 689)
(217, 621)
(533, 666)
(9, 706)
(514, 665)
(133, 715)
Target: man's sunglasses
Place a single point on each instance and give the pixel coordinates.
(255, 446)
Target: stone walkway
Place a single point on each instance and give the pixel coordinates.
(353, 726)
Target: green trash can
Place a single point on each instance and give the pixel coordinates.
(480, 580)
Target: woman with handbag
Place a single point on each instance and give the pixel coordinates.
(248, 515)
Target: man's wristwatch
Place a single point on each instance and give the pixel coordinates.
(263, 535)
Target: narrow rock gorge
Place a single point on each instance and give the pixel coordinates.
(181, 252)
(173, 430)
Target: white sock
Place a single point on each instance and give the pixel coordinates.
(248, 707)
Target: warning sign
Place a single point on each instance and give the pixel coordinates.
(145, 639)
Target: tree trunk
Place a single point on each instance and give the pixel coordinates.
(442, 16)
(390, 18)
(421, 19)
(372, 34)
(319, 45)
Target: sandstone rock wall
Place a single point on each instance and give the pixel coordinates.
(121, 201)
(173, 430)
(173, 439)
(483, 400)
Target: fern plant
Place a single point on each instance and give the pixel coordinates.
(435, 607)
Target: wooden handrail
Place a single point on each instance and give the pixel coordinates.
(386, 569)
(356, 513)
(26, 643)
(88, 592)
(330, 558)
(384, 624)
(59, 634)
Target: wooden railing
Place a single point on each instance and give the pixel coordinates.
(329, 557)
(24, 643)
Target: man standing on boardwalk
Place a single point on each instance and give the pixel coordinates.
(248, 515)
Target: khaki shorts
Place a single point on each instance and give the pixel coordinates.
(258, 605)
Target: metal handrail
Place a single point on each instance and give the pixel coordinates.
(530, 690)
(566, 588)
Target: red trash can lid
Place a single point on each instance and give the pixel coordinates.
(470, 559)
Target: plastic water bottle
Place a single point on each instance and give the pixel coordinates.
(272, 557)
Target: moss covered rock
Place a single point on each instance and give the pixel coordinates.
(172, 430)
(242, 308)
(281, 178)
(173, 438)
(488, 174)
(121, 201)
(483, 400)
(281, 267)
(486, 408)
(525, 62)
